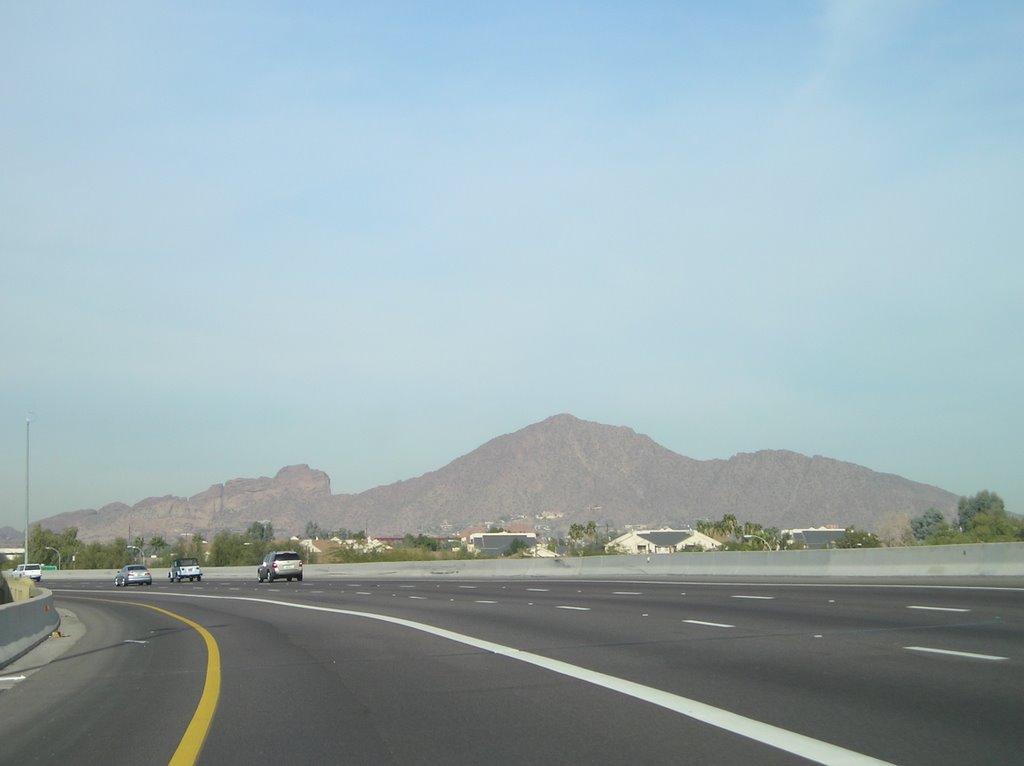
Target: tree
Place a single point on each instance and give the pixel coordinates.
(854, 538)
(894, 530)
(928, 524)
(517, 547)
(314, 531)
(230, 549)
(66, 542)
(157, 544)
(421, 541)
(576, 534)
(261, 530)
(984, 502)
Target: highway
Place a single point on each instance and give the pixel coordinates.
(448, 671)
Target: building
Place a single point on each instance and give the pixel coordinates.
(661, 541)
(362, 544)
(499, 543)
(815, 538)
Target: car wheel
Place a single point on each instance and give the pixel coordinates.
(299, 578)
(199, 579)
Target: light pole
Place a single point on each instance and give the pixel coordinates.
(28, 422)
(134, 548)
(758, 537)
(55, 551)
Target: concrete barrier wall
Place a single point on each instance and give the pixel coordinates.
(25, 624)
(981, 560)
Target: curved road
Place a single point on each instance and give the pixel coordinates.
(465, 672)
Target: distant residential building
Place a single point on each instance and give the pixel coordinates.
(661, 541)
(361, 544)
(499, 543)
(307, 545)
(815, 538)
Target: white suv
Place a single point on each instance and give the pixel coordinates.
(33, 571)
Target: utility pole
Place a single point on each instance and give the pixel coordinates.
(28, 422)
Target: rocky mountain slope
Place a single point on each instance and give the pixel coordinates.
(548, 475)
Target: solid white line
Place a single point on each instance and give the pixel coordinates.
(968, 655)
(759, 598)
(939, 608)
(773, 736)
(11, 679)
(710, 624)
(575, 608)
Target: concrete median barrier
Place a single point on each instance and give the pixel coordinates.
(26, 620)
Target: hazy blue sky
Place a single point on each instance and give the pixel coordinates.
(372, 236)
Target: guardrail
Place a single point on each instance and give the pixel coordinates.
(27, 622)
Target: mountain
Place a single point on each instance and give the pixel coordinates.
(548, 475)
(11, 537)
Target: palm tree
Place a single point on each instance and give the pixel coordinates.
(157, 543)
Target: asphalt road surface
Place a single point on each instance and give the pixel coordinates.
(335, 671)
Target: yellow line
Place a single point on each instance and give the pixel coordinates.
(195, 735)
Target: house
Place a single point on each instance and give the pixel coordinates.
(815, 538)
(362, 544)
(498, 543)
(307, 544)
(661, 541)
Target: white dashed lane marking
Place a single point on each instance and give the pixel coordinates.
(939, 608)
(710, 624)
(950, 652)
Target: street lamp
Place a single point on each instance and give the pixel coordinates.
(758, 537)
(55, 551)
(134, 548)
(28, 421)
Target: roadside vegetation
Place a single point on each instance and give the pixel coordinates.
(982, 518)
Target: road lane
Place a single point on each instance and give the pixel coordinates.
(827, 662)
(131, 682)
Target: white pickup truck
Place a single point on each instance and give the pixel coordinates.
(32, 571)
(184, 568)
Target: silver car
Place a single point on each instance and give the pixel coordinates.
(133, 574)
(280, 564)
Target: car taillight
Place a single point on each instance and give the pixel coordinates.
(274, 565)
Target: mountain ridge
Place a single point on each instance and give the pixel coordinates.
(550, 474)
